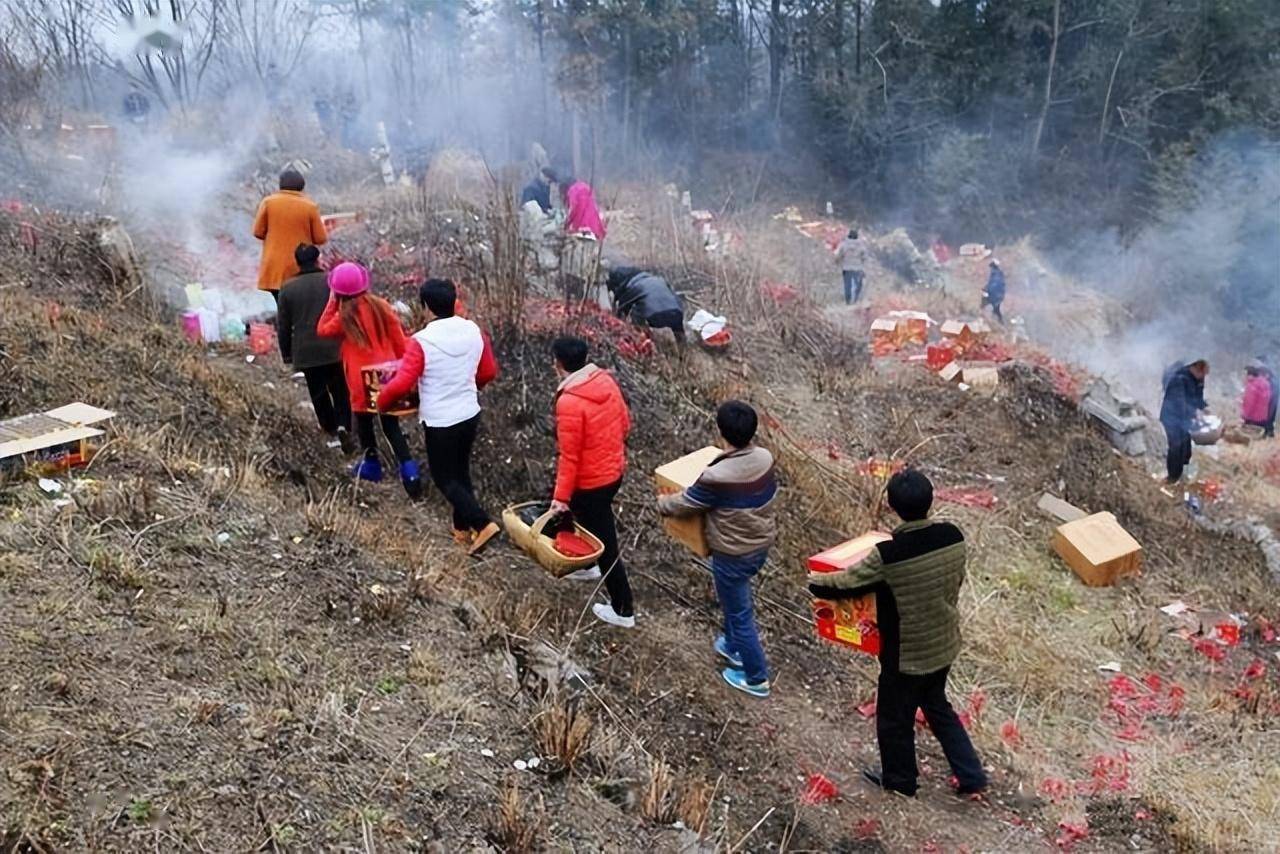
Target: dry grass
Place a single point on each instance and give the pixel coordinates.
(563, 732)
(521, 823)
(656, 799)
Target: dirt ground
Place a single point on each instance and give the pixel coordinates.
(213, 640)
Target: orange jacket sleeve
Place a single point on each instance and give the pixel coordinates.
(487, 370)
(411, 368)
(570, 427)
(319, 234)
(330, 323)
(260, 221)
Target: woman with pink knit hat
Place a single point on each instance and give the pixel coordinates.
(370, 334)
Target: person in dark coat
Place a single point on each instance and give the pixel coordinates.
(1183, 399)
(539, 189)
(993, 293)
(1264, 367)
(647, 298)
(302, 299)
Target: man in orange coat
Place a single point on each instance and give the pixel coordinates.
(285, 219)
(592, 423)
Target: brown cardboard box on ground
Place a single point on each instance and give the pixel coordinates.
(1097, 549)
(1061, 510)
(677, 476)
(980, 378)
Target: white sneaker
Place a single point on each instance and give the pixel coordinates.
(591, 573)
(604, 613)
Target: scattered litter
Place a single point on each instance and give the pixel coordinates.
(1173, 609)
(1110, 667)
(223, 538)
(250, 358)
(297, 540)
(982, 499)
(868, 709)
(819, 790)
(1010, 734)
(51, 487)
(486, 753)
(520, 765)
(534, 762)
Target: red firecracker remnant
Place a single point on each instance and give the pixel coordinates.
(1054, 789)
(1069, 834)
(1211, 650)
(868, 709)
(1255, 670)
(11, 206)
(1108, 773)
(982, 499)
(1010, 734)
(866, 828)
(1228, 632)
(819, 790)
(780, 293)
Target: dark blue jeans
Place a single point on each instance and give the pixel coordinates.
(897, 699)
(852, 285)
(733, 574)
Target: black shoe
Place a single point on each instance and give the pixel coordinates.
(346, 441)
(967, 791)
(875, 779)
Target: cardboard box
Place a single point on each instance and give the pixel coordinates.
(677, 476)
(980, 379)
(374, 376)
(849, 622)
(1097, 549)
(1061, 510)
(950, 372)
(58, 438)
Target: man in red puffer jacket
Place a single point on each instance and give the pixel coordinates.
(592, 423)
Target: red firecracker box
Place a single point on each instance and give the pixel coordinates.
(849, 622)
(374, 376)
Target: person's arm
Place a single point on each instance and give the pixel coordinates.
(319, 234)
(694, 501)
(412, 365)
(284, 327)
(570, 430)
(330, 323)
(260, 221)
(487, 369)
(849, 583)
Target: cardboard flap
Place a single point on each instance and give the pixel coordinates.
(684, 472)
(80, 414)
(847, 553)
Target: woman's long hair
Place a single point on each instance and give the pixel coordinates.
(380, 311)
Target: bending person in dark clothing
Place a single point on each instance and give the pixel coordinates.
(539, 189)
(1183, 399)
(916, 577)
(647, 299)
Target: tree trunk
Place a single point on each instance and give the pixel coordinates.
(837, 41)
(364, 52)
(775, 52)
(1048, 78)
(626, 92)
(857, 38)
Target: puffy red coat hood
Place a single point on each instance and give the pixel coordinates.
(592, 423)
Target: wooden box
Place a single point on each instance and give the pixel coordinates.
(1097, 549)
(373, 377)
(677, 476)
(849, 622)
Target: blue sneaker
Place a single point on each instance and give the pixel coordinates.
(409, 477)
(738, 679)
(722, 650)
(369, 468)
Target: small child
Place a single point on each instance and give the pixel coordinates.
(736, 494)
(370, 334)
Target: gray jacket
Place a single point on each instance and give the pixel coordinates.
(644, 295)
(851, 254)
(736, 492)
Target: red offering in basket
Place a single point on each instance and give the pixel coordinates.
(849, 622)
(572, 544)
(374, 376)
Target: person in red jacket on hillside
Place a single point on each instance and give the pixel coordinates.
(370, 334)
(592, 423)
(448, 361)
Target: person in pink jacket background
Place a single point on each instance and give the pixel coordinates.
(582, 211)
(1257, 398)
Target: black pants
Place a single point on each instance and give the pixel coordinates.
(390, 429)
(1179, 452)
(593, 510)
(673, 320)
(852, 285)
(327, 386)
(995, 307)
(898, 698)
(449, 458)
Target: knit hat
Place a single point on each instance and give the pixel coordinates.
(348, 279)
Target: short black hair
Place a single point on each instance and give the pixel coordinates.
(910, 495)
(570, 352)
(853, 232)
(306, 255)
(439, 296)
(619, 276)
(291, 179)
(737, 422)
(549, 174)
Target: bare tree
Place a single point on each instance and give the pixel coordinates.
(267, 36)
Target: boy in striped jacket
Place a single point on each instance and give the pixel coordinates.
(736, 494)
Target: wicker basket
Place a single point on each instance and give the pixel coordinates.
(541, 548)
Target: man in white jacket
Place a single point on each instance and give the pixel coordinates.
(449, 360)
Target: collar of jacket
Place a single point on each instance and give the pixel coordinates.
(906, 527)
(577, 377)
(733, 452)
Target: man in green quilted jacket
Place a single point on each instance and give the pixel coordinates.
(916, 578)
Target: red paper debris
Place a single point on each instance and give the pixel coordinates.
(1142, 815)
(1054, 789)
(1210, 649)
(983, 499)
(1010, 734)
(11, 206)
(1108, 773)
(819, 790)
(1255, 670)
(1069, 834)
(1227, 632)
(866, 828)
(868, 709)
(780, 293)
